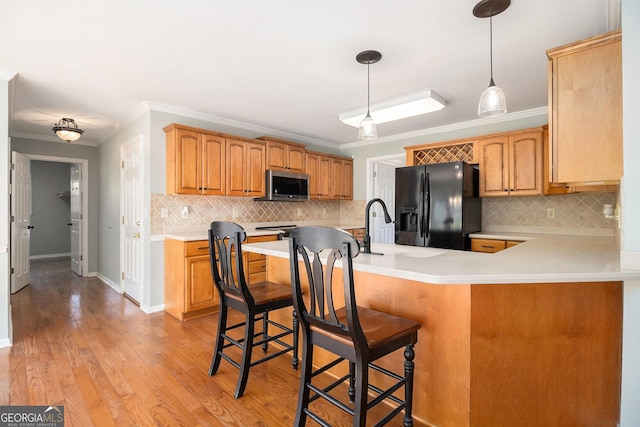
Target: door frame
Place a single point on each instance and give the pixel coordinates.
(84, 185)
(395, 160)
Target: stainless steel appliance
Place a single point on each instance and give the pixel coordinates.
(437, 205)
(283, 229)
(285, 186)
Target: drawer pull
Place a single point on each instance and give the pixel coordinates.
(203, 248)
(488, 246)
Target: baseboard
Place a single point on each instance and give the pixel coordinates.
(109, 283)
(5, 342)
(50, 256)
(148, 309)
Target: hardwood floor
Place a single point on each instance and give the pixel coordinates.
(81, 345)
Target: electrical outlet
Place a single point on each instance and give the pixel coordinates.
(234, 213)
(551, 213)
(324, 211)
(164, 213)
(184, 212)
(299, 212)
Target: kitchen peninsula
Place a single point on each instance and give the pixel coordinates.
(527, 336)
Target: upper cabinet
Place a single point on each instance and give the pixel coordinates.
(511, 164)
(585, 111)
(195, 161)
(330, 177)
(245, 167)
(284, 155)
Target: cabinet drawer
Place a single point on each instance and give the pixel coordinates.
(257, 266)
(198, 247)
(487, 245)
(267, 238)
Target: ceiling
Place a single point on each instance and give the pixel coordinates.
(285, 67)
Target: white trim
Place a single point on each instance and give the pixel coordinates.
(5, 342)
(51, 256)
(109, 283)
(85, 200)
(447, 128)
(149, 309)
(53, 138)
(7, 74)
(157, 238)
(147, 106)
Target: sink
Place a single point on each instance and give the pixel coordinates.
(406, 251)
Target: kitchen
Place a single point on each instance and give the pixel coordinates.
(497, 212)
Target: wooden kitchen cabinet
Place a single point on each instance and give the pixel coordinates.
(585, 111)
(284, 155)
(188, 285)
(245, 167)
(319, 168)
(195, 161)
(511, 164)
(358, 233)
(492, 245)
(342, 178)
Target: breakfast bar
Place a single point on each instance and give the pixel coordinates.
(528, 336)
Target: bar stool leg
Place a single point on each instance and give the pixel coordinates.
(409, 355)
(222, 329)
(246, 354)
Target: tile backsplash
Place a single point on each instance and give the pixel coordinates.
(582, 210)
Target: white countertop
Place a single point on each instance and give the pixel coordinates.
(541, 258)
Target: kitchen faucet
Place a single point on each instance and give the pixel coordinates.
(366, 243)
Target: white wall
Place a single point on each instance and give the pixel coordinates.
(630, 411)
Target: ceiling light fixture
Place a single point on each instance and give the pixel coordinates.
(398, 108)
(367, 129)
(492, 101)
(67, 130)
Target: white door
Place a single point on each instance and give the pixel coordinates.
(131, 211)
(76, 219)
(384, 180)
(20, 227)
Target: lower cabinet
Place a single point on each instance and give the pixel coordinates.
(491, 245)
(188, 286)
(358, 233)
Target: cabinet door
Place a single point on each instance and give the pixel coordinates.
(296, 158)
(188, 162)
(337, 179)
(255, 169)
(488, 245)
(236, 167)
(277, 156)
(311, 169)
(525, 160)
(347, 185)
(200, 291)
(325, 174)
(214, 165)
(494, 167)
(586, 110)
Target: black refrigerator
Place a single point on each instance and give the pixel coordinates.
(437, 205)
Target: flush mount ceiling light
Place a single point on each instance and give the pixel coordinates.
(367, 129)
(67, 130)
(399, 108)
(492, 101)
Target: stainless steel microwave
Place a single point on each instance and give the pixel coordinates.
(285, 186)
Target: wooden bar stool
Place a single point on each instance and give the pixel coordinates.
(356, 334)
(255, 301)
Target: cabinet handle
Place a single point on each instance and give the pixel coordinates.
(505, 190)
(203, 248)
(488, 246)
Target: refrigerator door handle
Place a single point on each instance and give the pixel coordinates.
(421, 205)
(427, 206)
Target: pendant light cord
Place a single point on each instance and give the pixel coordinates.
(491, 83)
(368, 89)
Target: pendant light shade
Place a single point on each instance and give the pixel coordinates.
(67, 130)
(367, 129)
(492, 101)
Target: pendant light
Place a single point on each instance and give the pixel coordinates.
(492, 101)
(67, 130)
(367, 129)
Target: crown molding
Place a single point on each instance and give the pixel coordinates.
(263, 130)
(53, 138)
(7, 74)
(452, 127)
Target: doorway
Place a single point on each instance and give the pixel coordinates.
(381, 183)
(76, 225)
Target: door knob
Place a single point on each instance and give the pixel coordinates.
(136, 234)
(29, 227)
